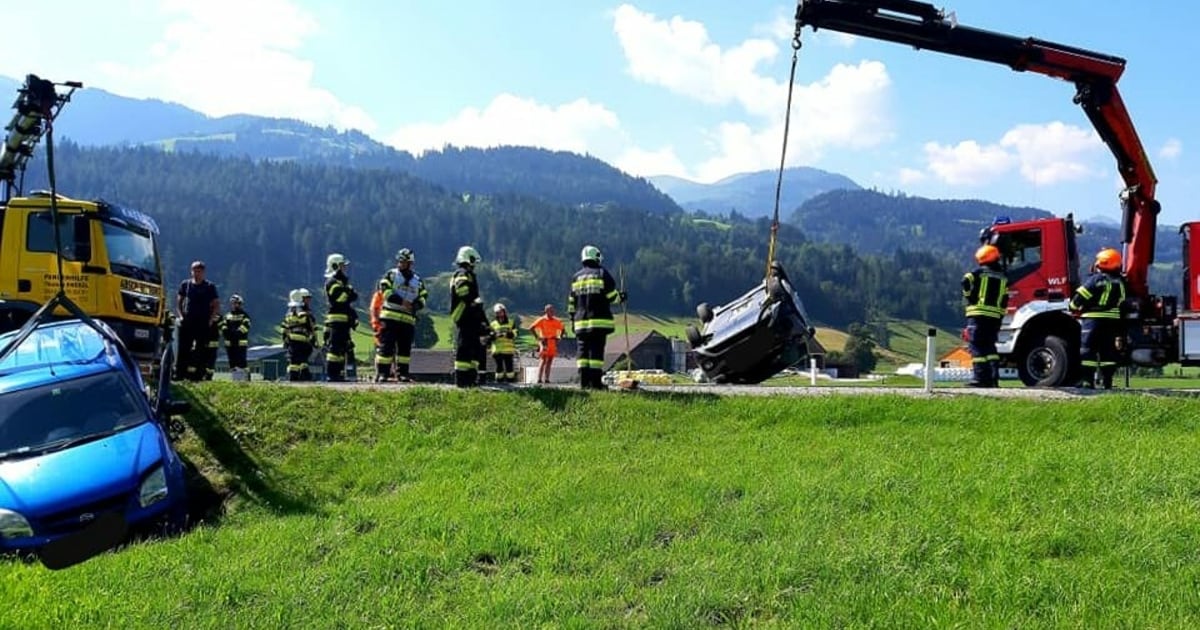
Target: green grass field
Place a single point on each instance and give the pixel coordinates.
(435, 508)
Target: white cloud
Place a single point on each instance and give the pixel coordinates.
(967, 163)
(678, 55)
(846, 108)
(1054, 152)
(911, 176)
(1044, 155)
(1171, 149)
(580, 126)
(645, 163)
(228, 56)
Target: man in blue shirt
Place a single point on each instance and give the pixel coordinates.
(197, 307)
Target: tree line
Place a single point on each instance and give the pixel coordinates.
(266, 227)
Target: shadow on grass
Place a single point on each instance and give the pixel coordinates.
(552, 398)
(251, 481)
(559, 398)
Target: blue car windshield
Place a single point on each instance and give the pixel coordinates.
(64, 413)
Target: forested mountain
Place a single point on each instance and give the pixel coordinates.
(98, 118)
(753, 194)
(875, 222)
(265, 228)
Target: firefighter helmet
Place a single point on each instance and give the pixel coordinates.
(235, 299)
(592, 253)
(335, 262)
(405, 255)
(1108, 260)
(303, 293)
(499, 308)
(987, 254)
(467, 255)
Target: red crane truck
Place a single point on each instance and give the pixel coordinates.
(1039, 336)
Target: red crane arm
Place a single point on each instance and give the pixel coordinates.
(1095, 75)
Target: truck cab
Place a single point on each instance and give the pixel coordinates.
(1038, 335)
(110, 266)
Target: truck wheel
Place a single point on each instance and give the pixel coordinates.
(693, 336)
(704, 312)
(1046, 363)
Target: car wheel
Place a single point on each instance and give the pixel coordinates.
(693, 336)
(704, 312)
(1045, 363)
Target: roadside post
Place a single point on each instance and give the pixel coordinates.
(929, 357)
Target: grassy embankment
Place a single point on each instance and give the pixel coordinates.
(435, 508)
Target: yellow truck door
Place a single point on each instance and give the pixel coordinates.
(37, 268)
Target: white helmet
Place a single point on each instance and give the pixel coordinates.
(293, 298)
(590, 252)
(335, 262)
(302, 293)
(405, 255)
(467, 254)
(499, 308)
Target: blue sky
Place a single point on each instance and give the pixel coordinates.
(694, 89)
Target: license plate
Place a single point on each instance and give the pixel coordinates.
(102, 534)
(141, 333)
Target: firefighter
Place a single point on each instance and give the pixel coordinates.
(299, 334)
(504, 345)
(235, 328)
(1098, 305)
(341, 317)
(985, 292)
(470, 320)
(403, 295)
(589, 304)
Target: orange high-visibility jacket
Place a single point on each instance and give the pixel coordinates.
(376, 306)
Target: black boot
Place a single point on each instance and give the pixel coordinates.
(584, 378)
(994, 368)
(1106, 376)
(1087, 377)
(981, 375)
(335, 372)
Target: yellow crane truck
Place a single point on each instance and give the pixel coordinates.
(108, 253)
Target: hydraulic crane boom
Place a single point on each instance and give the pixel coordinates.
(1094, 74)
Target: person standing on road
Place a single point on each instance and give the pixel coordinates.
(985, 293)
(469, 317)
(341, 317)
(235, 328)
(1097, 303)
(593, 292)
(197, 307)
(504, 345)
(299, 334)
(548, 329)
(403, 295)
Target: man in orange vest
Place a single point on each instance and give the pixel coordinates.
(548, 329)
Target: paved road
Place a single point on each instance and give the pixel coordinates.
(757, 390)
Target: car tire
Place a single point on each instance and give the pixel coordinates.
(1046, 363)
(693, 336)
(704, 312)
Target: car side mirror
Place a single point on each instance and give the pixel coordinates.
(178, 407)
(81, 230)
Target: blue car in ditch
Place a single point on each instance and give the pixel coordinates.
(85, 456)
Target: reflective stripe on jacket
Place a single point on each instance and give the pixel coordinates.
(985, 292)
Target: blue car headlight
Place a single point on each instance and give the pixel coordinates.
(154, 488)
(13, 525)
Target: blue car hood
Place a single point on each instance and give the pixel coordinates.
(81, 474)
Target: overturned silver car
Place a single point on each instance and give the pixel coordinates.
(754, 337)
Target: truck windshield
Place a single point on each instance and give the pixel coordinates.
(131, 252)
(65, 413)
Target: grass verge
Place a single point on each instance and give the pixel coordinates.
(429, 507)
